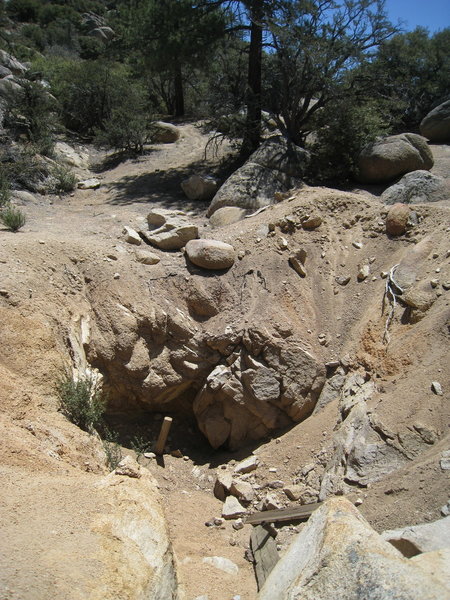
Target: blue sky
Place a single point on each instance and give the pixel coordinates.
(433, 14)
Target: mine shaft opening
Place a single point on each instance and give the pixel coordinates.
(138, 430)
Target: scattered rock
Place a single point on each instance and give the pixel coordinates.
(271, 502)
(395, 155)
(312, 222)
(363, 272)
(147, 258)
(445, 460)
(397, 219)
(199, 187)
(223, 484)
(210, 254)
(247, 465)
(294, 492)
(297, 262)
(172, 229)
(164, 133)
(436, 388)
(224, 564)
(129, 467)
(416, 187)
(89, 184)
(243, 491)
(132, 236)
(342, 279)
(436, 124)
(232, 508)
(238, 524)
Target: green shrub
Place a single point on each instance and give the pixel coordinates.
(81, 401)
(12, 218)
(63, 180)
(5, 187)
(349, 127)
(23, 10)
(127, 127)
(111, 446)
(140, 445)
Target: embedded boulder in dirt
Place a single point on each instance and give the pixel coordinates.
(252, 394)
(338, 555)
(276, 166)
(416, 187)
(210, 254)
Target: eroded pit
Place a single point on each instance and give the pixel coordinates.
(260, 360)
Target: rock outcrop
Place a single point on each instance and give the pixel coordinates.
(338, 555)
(276, 166)
(393, 156)
(436, 124)
(164, 133)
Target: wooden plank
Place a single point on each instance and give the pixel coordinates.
(162, 439)
(283, 514)
(264, 549)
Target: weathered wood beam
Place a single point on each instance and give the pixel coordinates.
(282, 514)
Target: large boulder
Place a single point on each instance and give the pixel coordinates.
(436, 125)
(338, 555)
(416, 187)
(199, 187)
(276, 166)
(164, 133)
(210, 254)
(415, 539)
(393, 156)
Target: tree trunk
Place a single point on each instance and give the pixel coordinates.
(179, 92)
(252, 134)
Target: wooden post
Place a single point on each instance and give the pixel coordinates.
(162, 439)
(265, 553)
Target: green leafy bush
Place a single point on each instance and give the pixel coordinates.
(12, 218)
(23, 10)
(5, 187)
(127, 128)
(111, 446)
(81, 401)
(63, 180)
(349, 127)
